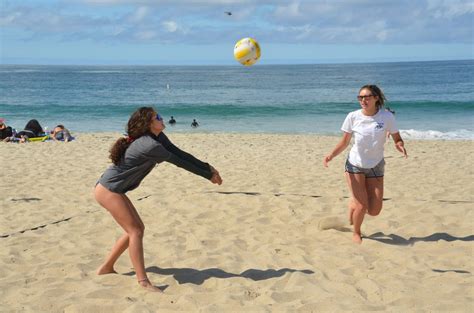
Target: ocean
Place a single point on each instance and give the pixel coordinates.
(432, 100)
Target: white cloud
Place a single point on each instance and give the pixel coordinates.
(8, 20)
(139, 14)
(171, 2)
(291, 10)
(170, 26)
(204, 21)
(450, 8)
(145, 35)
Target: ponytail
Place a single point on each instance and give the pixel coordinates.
(118, 150)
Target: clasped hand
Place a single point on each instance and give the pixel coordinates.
(216, 178)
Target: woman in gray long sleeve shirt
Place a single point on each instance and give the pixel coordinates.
(133, 159)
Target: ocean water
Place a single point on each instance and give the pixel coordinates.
(432, 100)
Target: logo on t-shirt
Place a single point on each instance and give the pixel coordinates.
(379, 126)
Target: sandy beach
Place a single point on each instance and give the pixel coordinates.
(273, 237)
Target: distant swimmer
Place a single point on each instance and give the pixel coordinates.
(194, 123)
(172, 121)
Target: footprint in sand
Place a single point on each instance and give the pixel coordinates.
(332, 222)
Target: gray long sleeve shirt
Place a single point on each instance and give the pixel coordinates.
(141, 157)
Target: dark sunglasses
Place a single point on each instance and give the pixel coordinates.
(360, 98)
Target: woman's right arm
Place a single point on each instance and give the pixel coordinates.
(168, 152)
(159, 153)
(341, 146)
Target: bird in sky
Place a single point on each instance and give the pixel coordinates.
(228, 13)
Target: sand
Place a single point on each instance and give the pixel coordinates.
(272, 238)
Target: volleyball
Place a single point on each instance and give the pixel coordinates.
(247, 51)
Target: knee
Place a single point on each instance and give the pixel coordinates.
(137, 231)
(375, 210)
(359, 207)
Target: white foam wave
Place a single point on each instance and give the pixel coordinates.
(461, 134)
(20, 71)
(99, 71)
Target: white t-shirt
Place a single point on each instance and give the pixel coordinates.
(370, 133)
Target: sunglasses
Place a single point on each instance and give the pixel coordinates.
(159, 117)
(360, 98)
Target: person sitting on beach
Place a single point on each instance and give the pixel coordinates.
(61, 133)
(365, 163)
(172, 121)
(134, 157)
(5, 131)
(32, 129)
(194, 123)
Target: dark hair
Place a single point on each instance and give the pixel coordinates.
(137, 126)
(34, 126)
(60, 126)
(376, 91)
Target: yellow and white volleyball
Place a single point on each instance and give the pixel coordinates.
(247, 51)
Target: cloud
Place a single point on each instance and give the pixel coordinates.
(145, 35)
(450, 8)
(204, 21)
(291, 10)
(170, 26)
(139, 15)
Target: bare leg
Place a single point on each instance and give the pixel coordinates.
(126, 217)
(350, 212)
(375, 195)
(358, 204)
(145, 283)
(352, 203)
(119, 247)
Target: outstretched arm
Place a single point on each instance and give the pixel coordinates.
(172, 158)
(189, 162)
(399, 144)
(341, 146)
(163, 139)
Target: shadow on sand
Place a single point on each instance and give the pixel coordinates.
(393, 239)
(252, 193)
(197, 277)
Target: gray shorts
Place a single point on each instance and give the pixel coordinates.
(374, 172)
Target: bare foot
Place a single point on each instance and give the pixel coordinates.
(103, 269)
(356, 238)
(146, 284)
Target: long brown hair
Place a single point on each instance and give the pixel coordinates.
(376, 91)
(137, 126)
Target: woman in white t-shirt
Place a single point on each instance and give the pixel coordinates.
(365, 163)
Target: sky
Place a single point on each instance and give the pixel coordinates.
(199, 32)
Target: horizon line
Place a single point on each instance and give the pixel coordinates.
(236, 64)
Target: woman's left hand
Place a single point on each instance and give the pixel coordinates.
(400, 147)
(399, 144)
